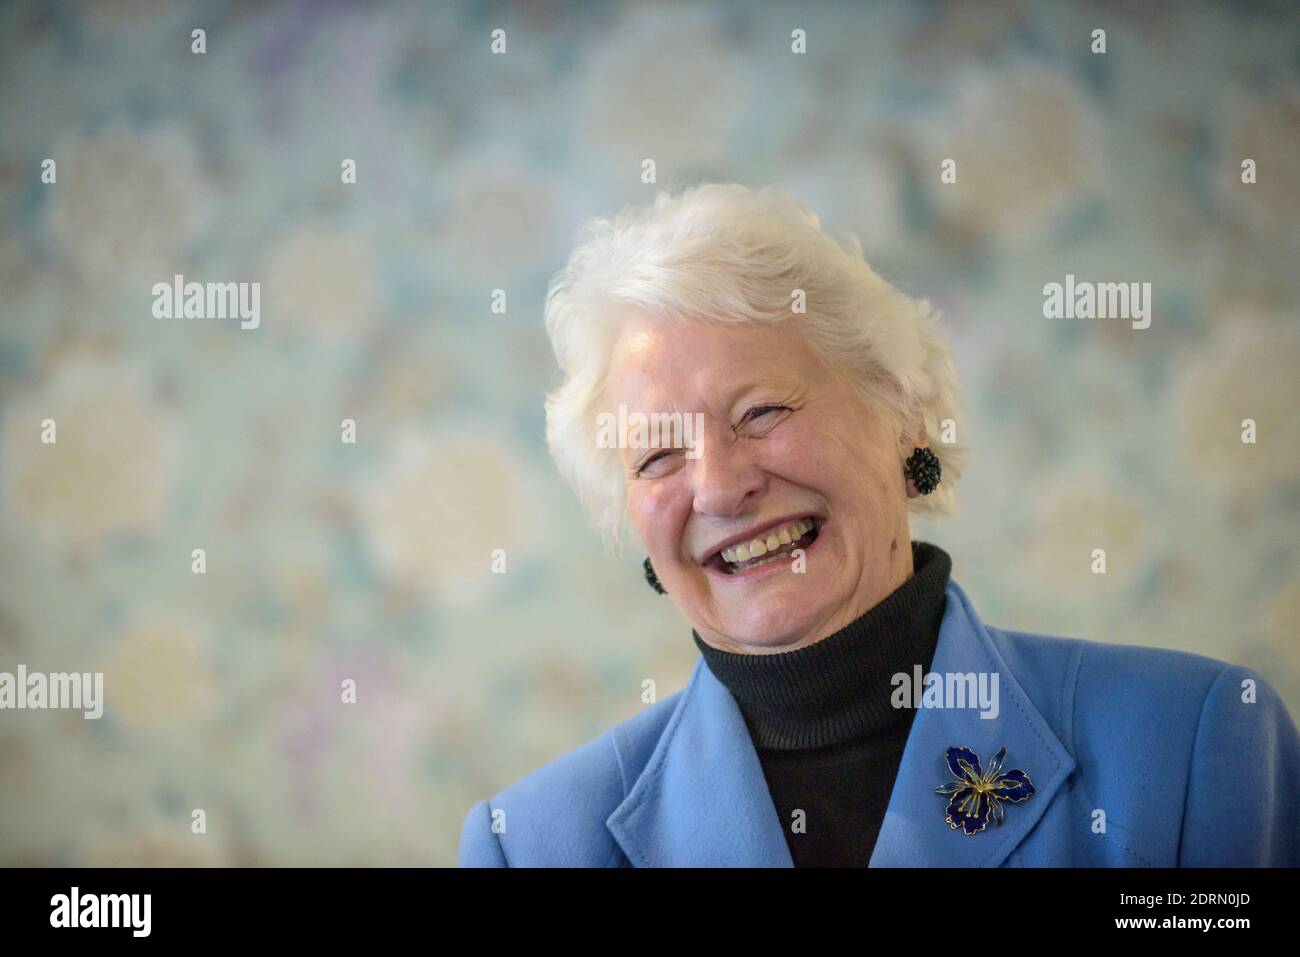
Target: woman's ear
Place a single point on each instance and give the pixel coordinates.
(916, 438)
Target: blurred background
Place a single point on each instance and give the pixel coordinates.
(372, 561)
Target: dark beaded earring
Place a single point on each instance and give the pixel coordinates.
(652, 578)
(923, 469)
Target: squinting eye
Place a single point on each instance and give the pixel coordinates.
(650, 461)
(759, 411)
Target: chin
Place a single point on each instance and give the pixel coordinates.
(778, 611)
(771, 625)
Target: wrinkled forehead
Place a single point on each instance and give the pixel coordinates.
(703, 365)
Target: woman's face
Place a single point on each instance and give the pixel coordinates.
(783, 444)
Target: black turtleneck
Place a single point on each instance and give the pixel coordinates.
(821, 720)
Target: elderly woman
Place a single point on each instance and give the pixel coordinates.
(849, 707)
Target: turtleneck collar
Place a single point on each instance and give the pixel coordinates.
(838, 689)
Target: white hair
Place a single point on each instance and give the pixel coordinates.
(727, 252)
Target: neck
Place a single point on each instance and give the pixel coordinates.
(839, 689)
(871, 591)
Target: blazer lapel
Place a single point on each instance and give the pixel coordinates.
(915, 832)
(702, 800)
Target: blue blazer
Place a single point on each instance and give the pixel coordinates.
(1138, 757)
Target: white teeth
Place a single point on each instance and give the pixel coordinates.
(773, 540)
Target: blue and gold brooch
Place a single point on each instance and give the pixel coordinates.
(978, 795)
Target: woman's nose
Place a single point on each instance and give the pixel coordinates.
(724, 475)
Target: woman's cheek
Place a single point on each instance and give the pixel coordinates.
(793, 454)
(639, 513)
(651, 506)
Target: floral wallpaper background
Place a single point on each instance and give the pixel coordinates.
(371, 561)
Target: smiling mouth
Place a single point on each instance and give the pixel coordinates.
(772, 546)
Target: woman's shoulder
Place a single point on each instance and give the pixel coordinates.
(610, 761)
(556, 813)
(1181, 750)
(1139, 699)
(1062, 674)
(1047, 665)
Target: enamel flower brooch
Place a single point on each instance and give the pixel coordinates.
(977, 795)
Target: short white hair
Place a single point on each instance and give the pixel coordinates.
(724, 251)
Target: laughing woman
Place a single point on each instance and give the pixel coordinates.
(780, 533)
